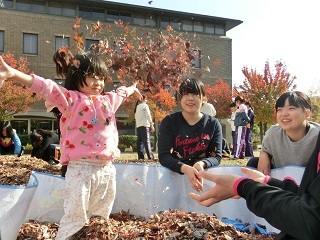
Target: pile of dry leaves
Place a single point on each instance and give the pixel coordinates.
(171, 224)
(16, 171)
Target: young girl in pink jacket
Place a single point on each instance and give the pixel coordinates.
(89, 136)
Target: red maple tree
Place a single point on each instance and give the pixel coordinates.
(263, 90)
(15, 97)
(220, 95)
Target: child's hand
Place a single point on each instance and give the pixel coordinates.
(5, 71)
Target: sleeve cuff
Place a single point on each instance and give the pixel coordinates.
(236, 183)
(266, 179)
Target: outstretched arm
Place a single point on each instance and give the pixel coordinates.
(8, 72)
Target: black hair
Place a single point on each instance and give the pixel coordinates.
(239, 98)
(295, 98)
(83, 65)
(232, 104)
(8, 127)
(36, 135)
(191, 85)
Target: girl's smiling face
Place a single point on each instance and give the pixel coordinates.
(291, 118)
(94, 85)
(191, 102)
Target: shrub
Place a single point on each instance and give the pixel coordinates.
(131, 140)
(25, 139)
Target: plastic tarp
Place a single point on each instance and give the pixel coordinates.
(142, 189)
(14, 205)
(145, 190)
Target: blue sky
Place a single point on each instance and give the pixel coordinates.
(273, 30)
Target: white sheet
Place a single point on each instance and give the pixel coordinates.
(145, 190)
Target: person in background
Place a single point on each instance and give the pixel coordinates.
(240, 122)
(291, 208)
(249, 131)
(89, 139)
(233, 108)
(43, 143)
(208, 108)
(9, 140)
(288, 142)
(144, 125)
(190, 141)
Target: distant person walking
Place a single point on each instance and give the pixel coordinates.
(240, 122)
(208, 108)
(233, 108)
(249, 131)
(144, 125)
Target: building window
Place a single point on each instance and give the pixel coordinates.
(38, 6)
(92, 45)
(196, 62)
(21, 126)
(198, 26)
(175, 24)
(125, 16)
(69, 10)
(30, 43)
(139, 19)
(187, 25)
(112, 15)
(85, 12)
(219, 29)
(24, 5)
(209, 28)
(1, 41)
(151, 22)
(98, 14)
(41, 124)
(55, 8)
(6, 4)
(62, 42)
(164, 22)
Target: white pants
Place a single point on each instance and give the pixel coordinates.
(89, 191)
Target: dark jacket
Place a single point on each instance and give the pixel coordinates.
(292, 209)
(180, 143)
(44, 151)
(241, 119)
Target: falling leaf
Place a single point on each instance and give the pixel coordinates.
(217, 63)
(169, 28)
(207, 69)
(77, 24)
(97, 27)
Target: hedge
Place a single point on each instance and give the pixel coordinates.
(125, 141)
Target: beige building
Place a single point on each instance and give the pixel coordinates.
(36, 29)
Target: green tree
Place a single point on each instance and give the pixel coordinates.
(263, 90)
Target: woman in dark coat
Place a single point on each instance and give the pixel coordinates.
(44, 143)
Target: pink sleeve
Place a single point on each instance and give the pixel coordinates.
(117, 97)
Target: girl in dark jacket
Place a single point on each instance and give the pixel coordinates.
(42, 141)
(293, 209)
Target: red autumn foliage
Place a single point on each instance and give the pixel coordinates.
(263, 90)
(14, 97)
(220, 96)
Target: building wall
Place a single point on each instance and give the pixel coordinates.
(214, 48)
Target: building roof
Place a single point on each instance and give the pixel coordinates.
(229, 23)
